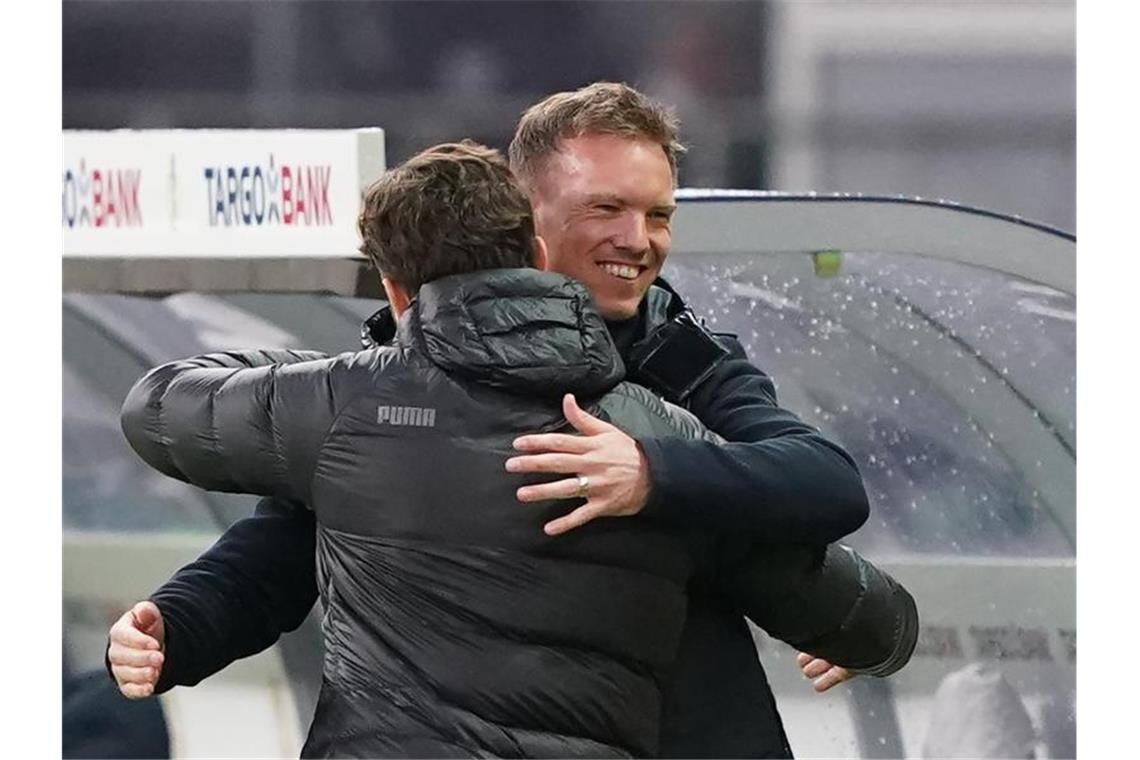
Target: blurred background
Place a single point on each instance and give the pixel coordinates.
(972, 101)
(951, 383)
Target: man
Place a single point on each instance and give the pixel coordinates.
(599, 166)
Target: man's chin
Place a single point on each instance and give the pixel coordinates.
(618, 312)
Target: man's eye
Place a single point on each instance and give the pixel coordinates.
(609, 208)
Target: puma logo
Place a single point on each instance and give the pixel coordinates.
(414, 416)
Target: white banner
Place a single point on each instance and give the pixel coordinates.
(210, 193)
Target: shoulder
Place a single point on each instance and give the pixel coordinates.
(367, 361)
(345, 375)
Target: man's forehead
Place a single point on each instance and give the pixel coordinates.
(566, 159)
(591, 159)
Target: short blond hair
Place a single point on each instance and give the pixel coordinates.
(607, 108)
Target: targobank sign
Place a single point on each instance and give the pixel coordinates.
(98, 197)
(268, 194)
(216, 192)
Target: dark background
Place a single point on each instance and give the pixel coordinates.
(968, 101)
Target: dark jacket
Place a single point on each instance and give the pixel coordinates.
(258, 579)
(443, 597)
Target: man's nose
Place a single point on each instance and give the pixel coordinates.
(633, 234)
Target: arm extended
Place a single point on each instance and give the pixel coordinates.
(777, 492)
(258, 580)
(244, 422)
(255, 583)
(776, 480)
(831, 603)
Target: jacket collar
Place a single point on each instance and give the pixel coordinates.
(661, 304)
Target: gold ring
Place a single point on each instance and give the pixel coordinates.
(583, 487)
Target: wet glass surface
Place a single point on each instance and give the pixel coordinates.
(916, 366)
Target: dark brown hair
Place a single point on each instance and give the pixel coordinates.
(451, 209)
(599, 108)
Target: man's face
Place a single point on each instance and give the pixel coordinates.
(604, 205)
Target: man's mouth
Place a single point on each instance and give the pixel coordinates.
(621, 271)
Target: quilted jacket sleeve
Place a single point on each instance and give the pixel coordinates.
(245, 422)
(828, 601)
(640, 412)
(831, 603)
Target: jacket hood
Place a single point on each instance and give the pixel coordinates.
(518, 329)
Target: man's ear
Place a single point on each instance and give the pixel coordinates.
(541, 261)
(397, 296)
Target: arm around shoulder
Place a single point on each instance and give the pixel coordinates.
(775, 478)
(245, 422)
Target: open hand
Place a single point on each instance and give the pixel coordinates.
(611, 462)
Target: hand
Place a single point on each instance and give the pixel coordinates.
(135, 653)
(612, 461)
(825, 674)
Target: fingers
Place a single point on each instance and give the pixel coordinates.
(560, 463)
(583, 422)
(125, 674)
(553, 442)
(825, 674)
(834, 676)
(575, 519)
(611, 461)
(815, 668)
(136, 690)
(559, 489)
(134, 657)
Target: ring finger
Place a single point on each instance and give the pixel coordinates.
(559, 489)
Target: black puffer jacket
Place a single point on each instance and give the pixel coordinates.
(443, 598)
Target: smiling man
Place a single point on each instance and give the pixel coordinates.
(606, 202)
(599, 166)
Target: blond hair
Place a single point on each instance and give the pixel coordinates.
(601, 108)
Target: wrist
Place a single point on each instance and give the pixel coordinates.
(651, 489)
(644, 481)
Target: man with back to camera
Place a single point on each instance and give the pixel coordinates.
(599, 165)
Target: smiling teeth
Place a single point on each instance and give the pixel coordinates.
(618, 270)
